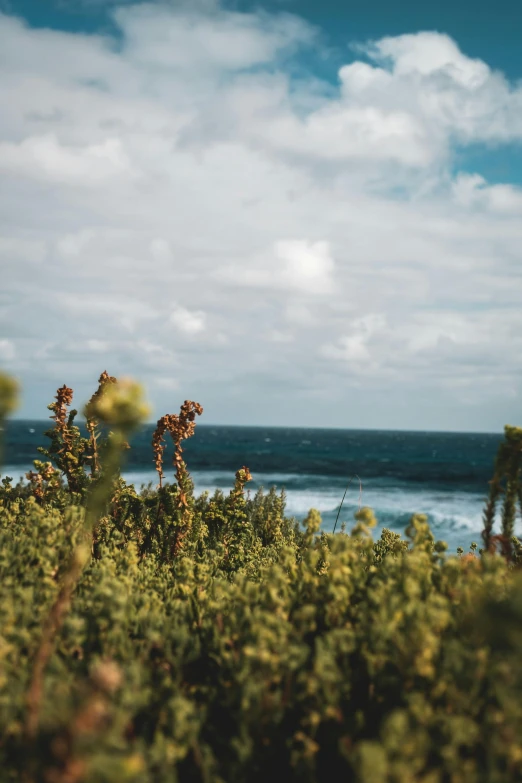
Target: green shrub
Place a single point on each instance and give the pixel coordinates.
(162, 637)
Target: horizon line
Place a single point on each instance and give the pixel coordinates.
(292, 427)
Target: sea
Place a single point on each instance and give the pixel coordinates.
(444, 475)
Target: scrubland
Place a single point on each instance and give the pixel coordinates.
(152, 635)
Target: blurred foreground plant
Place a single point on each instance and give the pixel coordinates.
(120, 405)
(8, 395)
(8, 402)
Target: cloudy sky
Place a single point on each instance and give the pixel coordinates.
(294, 213)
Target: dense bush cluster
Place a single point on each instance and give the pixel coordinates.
(156, 636)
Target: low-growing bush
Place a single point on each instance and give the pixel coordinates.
(157, 636)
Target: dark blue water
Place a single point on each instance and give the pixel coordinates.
(443, 475)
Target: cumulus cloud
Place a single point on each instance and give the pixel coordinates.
(472, 190)
(462, 97)
(294, 264)
(427, 54)
(184, 37)
(174, 204)
(7, 350)
(45, 157)
(354, 347)
(187, 321)
(307, 266)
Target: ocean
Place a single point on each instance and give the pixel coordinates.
(443, 475)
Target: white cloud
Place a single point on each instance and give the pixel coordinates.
(168, 383)
(225, 40)
(432, 328)
(187, 321)
(449, 95)
(313, 239)
(46, 158)
(340, 132)
(7, 350)
(428, 54)
(307, 266)
(355, 346)
(97, 346)
(349, 348)
(116, 311)
(297, 265)
(472, 190)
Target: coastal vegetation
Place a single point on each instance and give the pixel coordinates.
(153, 635)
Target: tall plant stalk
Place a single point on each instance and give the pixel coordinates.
(119, 405)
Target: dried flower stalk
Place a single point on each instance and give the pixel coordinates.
(180, 427)
(92, 422)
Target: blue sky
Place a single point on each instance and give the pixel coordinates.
(296, 213)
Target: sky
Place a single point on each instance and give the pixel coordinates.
(295, 213)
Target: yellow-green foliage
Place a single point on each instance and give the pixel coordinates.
(8, 395)
(163, 637)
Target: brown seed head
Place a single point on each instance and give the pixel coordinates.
(64, 396)
(179, 426)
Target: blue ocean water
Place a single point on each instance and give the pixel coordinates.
(442, 475)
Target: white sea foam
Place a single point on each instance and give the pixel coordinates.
(454, 516)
